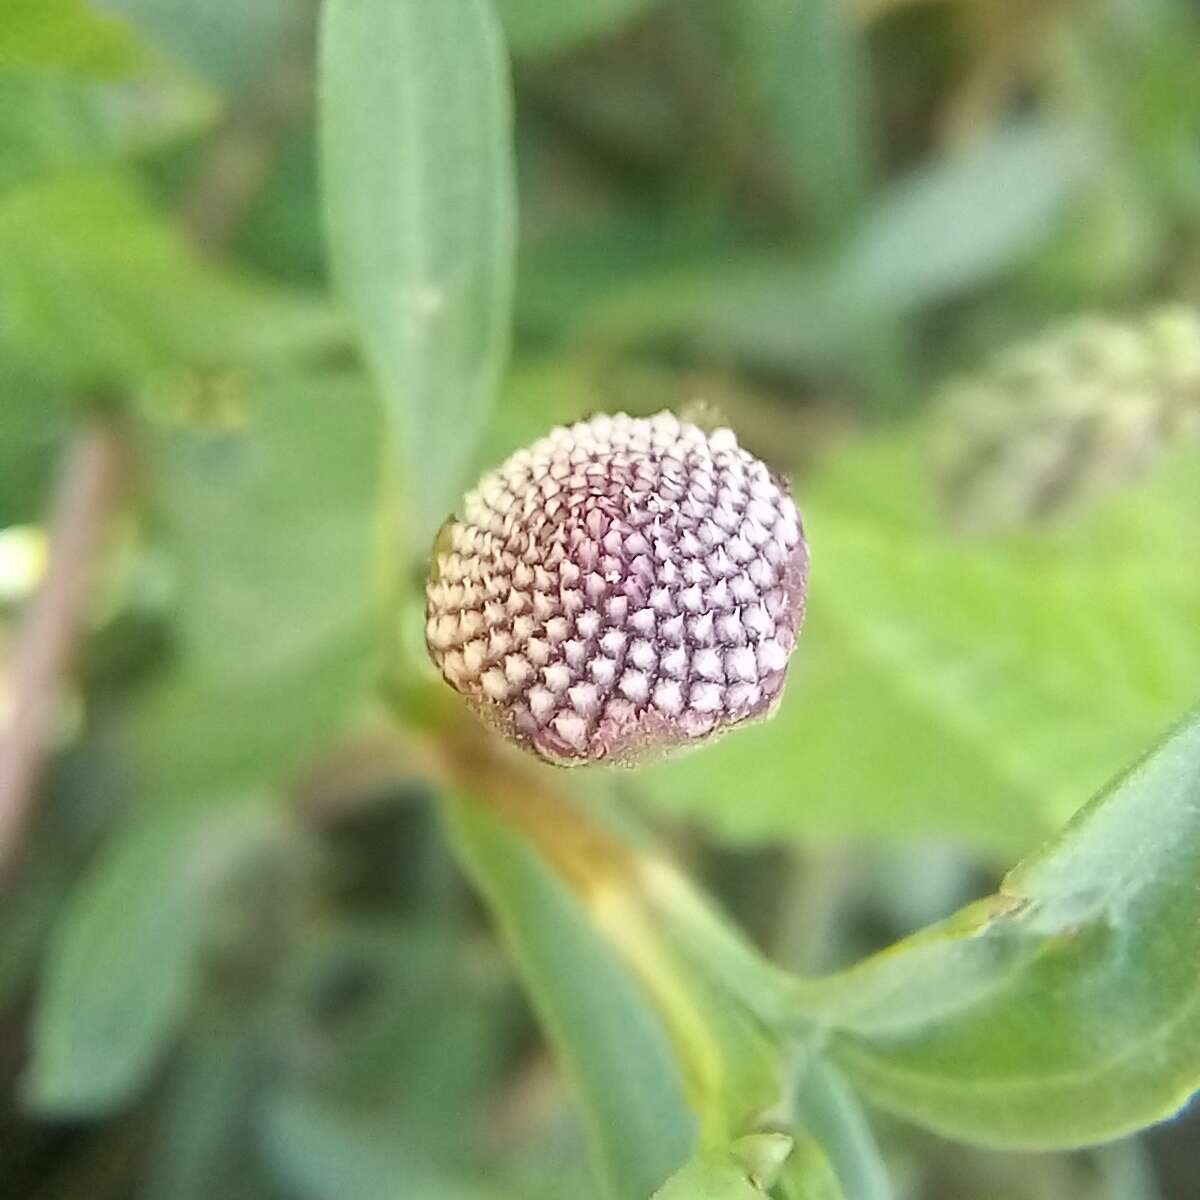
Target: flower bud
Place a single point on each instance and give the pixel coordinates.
(618, 589)
(1057, 422)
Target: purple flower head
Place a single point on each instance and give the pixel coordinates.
(619, 589)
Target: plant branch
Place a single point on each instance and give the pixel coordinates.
(830, 1112)
(49, 633)
(710, 989)
(625, 888)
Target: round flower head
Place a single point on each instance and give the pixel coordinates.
(620, 588)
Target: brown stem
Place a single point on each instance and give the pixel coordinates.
(48, 634)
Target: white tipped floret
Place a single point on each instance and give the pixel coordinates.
(621, 587)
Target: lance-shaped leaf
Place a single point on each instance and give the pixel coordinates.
(807, 75)
(319, 1149)
(1066, 1008)
(588, 917)
(534, 27)
(608, 1037)
(121, 965)
(418, 176)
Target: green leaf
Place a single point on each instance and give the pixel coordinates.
(970, 688)
(1065, 1009)
(35, 420)
(69, 35)
(804, 68)
(100, 292)
(417, 1043)
(760, 1164)
(609, 1038)
(120, 966)
(226, 42)
(48, 123)
(741, 1172)
(577, 266)
(52, 123)
(417, 160)
(945, 230)
(808, 1175)
(766, 305)
(202, 1140)
(964, 219)
(57, 845)
(534, 27)
(319, 1150)
(282, 232)
(266, 521)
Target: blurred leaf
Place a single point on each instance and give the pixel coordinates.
(866, 11)
(417, 154)
(1131, 69)
(609, 1038)
(52, 123)
(804, 66)
(412, 1036)
(534, 27)
(33, 422)
(119, 970)
(226, 42)
(318, 1151)
(75, 811)
(204, 1142)
(1066, 1008)
(99, 291)
(945, 230)
(282, 232)
(48, 123)
(66, 34)
(970, 688)
(580, 265)
(268, 524)
(808, 1175)
(963, 220)
(761, 1164)
(743, 1171)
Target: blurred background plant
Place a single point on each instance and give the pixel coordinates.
(937, 260)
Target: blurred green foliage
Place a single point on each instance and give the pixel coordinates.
(236, 954)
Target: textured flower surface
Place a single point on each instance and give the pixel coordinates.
(1054, 423)
(618, 589)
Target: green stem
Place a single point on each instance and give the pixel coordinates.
(1125, 1172)
(697, 972)
(828, 1109)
